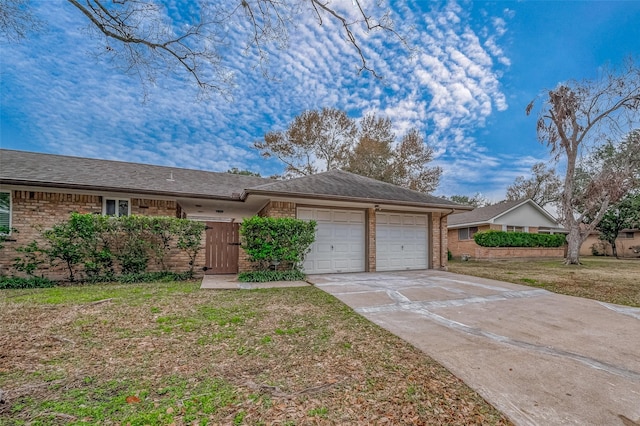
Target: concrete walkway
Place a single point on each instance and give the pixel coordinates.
(230, 282)
(539, 357)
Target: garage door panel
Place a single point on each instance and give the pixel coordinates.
(323, 215)
(339, 244)
(401, 241)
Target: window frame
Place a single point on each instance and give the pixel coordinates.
(628, 235)
(471, 231)
(10, 193)
(117, 210)
(515, 228)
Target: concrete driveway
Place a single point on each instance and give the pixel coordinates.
(539, 357)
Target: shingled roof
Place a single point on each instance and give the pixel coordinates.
(59, 171)
(341, 185)
(489, 213)
(48, 170)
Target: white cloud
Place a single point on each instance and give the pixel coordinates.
(448, 88)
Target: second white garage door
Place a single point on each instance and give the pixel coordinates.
(401, 242)
(339, 244)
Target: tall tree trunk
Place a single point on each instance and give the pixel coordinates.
(614, 250)
(574, 241)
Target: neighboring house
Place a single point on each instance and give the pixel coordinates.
(627, 244)
(511, 216)
(363, 224)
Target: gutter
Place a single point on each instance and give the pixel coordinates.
(354, 199)
(442, 217)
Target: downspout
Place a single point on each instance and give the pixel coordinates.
(442, 217)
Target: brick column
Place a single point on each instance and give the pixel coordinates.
(439, 241)
(370, 240)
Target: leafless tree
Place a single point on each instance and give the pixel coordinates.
(148, 39)
(575, 121)
(16, 20)
(543, 186)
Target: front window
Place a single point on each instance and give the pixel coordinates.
(515, 228)
(467, 233)
(627, 235)
(5, 212)
(115, 207)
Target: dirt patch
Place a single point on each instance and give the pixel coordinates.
(167, 353)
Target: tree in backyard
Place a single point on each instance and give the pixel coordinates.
(576, 118)
(147, 37)
(315, 141)
(237, 171)
(409, 164)
(543, 187)
(478, 200)
(372, 154)
(622, 215)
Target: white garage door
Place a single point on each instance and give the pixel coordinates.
(339, 244)
(401, 242)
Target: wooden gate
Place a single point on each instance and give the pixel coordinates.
(223, 241)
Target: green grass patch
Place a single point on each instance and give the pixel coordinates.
(163, 353)
(132, 402)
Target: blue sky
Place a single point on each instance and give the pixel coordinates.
(474, 68)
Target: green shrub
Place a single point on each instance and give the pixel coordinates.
(101, 244)
(266, 276)
(277, 241)
(518, 239)
(31, 282)
(31, 260)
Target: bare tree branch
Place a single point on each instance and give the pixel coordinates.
(148, 40)
(575, 121)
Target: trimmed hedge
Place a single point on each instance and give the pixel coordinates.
(266, 276)
(276, 242)
(518, 239)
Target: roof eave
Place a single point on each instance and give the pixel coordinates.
(354, 199)
(466, 225)
(82, 187)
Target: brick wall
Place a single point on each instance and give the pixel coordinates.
(146, 207)
(438, 240)
(278, 209)
(370, 215)
(32, 211)
(488, 253)
(460, 247)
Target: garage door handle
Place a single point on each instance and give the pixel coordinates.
(331, 247)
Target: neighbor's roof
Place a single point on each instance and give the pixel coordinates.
(487, 214)
(48, 170)
(340, 185)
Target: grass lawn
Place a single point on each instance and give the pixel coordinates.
(169, 353)
(601, 278)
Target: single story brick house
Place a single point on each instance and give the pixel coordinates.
(363, 224)
(627, 244)
(510, 216)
